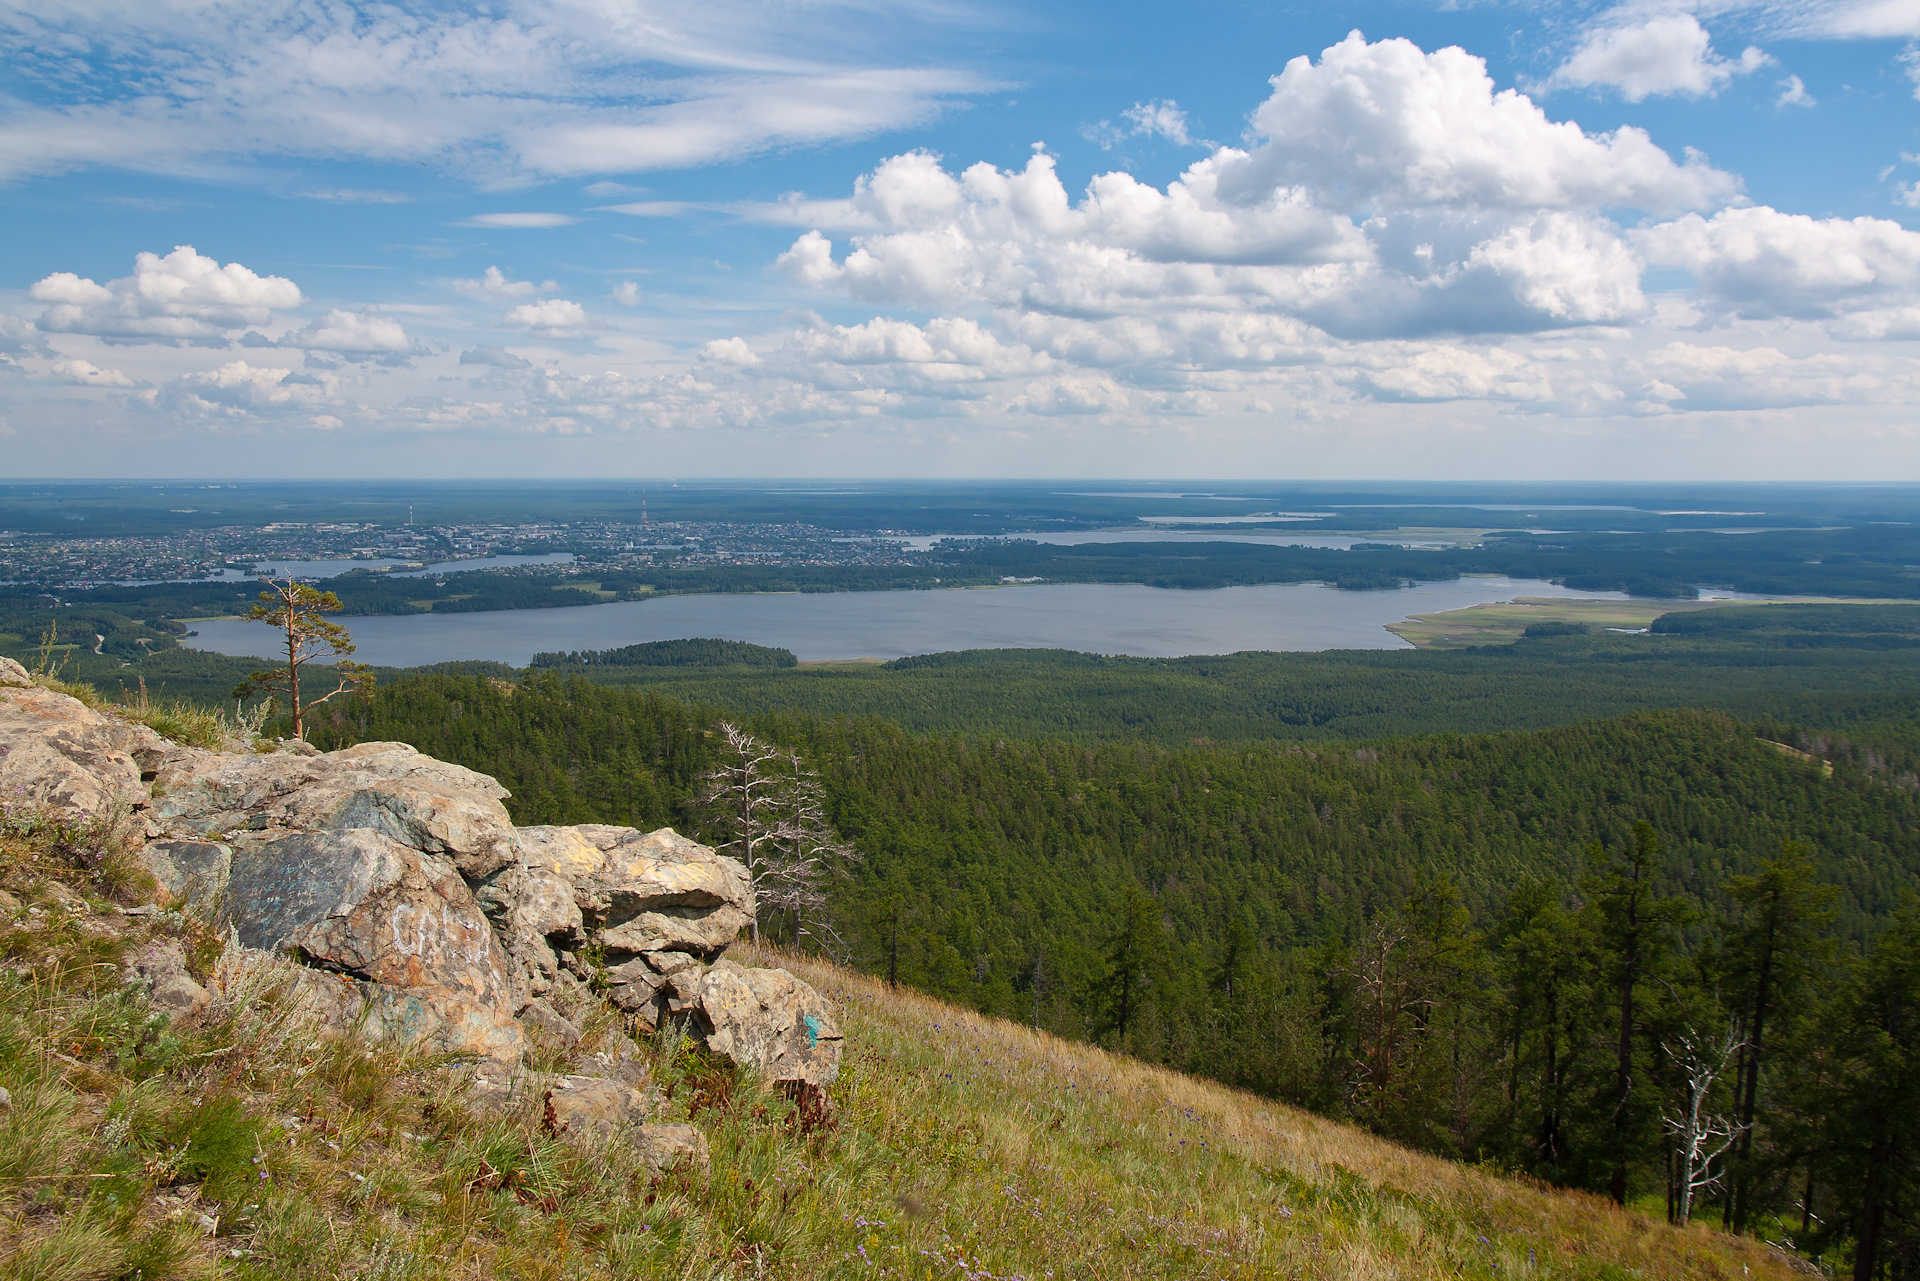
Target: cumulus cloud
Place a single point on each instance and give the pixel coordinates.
(84, 373)
(184, 297)
(238, 390)
(18, 338)
(555, 317)
(1456, 373)
(1668, 54)
(494, 285)
(497, 357)
(503, 91)
(1760, 263)
(626, 293)
(357, 334)
(1718, 378)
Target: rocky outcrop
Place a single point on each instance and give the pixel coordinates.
(57, 752)
(418, 911)
(626, 910)
(423, 803)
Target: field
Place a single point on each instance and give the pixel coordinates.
(1506, 621)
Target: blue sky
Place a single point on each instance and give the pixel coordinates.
(599, 237)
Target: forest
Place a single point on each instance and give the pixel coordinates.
(1544, 950)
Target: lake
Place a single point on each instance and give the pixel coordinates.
(1099, 618)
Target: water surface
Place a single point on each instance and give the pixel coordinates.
(1095, 617)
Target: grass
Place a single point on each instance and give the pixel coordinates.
(1506, 620)
(249, 1141)
(176, 719)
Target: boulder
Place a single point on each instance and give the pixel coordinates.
(58, 752)
(673, 1147)
(592, 1107)
(360, 903)
(429, 805)
(767, 1021)
(643, 892)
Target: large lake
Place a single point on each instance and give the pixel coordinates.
(1106, 619)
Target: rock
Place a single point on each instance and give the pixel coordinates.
(195, 874)
(542, 1019)
(11, 673)
(160, 965)
(590, 1106)
(58, 752)
(645, 892)
(358, 902)
(671, 1147)
(767, 1021)
(6, 1095)
(429, 805)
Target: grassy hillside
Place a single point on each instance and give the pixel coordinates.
(240, 1143)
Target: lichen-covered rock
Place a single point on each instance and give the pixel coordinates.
(360, 903)
(767, 1021)
(58, 752)
(429, 805)
(671, 1147)
(591, 1106)
(644, 891)
(195, 874)
(11, 673)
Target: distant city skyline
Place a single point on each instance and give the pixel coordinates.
(1658, 240)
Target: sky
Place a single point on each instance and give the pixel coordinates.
(1658, 239)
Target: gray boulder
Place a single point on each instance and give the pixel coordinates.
(767, 1021)
(429, 805)
(397, 921)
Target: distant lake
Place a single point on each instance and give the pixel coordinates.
(1099, 618)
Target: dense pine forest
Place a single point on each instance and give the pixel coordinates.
(1594, 953)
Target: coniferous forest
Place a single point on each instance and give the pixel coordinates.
(1671, 957)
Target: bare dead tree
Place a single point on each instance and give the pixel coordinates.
(744, 791)
(775, 806)
(1700, 1138)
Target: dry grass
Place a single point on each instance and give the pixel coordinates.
(249, 1141)
(1505, 621)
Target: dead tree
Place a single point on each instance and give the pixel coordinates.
(1700, 1138)
(774, 808)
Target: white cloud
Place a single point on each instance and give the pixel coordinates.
(503, 91)
(1714, 378)
(1759, 263)
(1667, 54)
(1456, 373)
(84, 373)
(353, 333)
(626, 293)
(518, 221)
(18, 338)
(1793, 93)
(1161, 118)
(1386, 125)
(1860, 20)
(184, 297)
(494, 286)
(238, 390)
(729, 351)
(555, 317)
